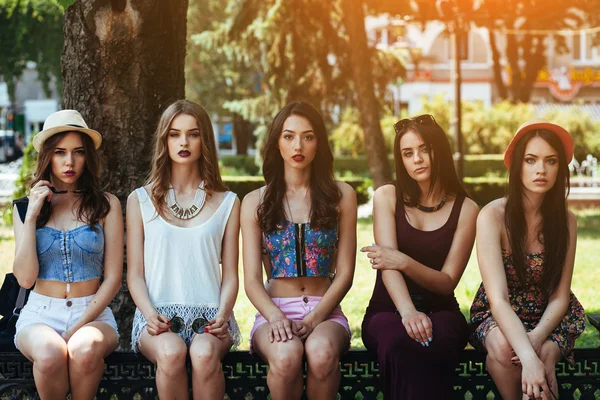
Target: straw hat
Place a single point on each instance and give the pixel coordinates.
(65, 121)
(539, 123)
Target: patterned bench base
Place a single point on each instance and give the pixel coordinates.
(128, 376)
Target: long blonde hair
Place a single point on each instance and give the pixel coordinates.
(208, 164)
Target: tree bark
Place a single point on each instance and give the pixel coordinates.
(512, 55)
(240, 130)
(533, 64)
(122, 64)
(497, 66)
(360, 61)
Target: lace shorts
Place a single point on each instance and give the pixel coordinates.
(188, 313)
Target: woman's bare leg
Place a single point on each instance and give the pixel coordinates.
(206, 352)
(506, 376)
(43, 346)
(285, 364)
(168, 352)
(323, 349)
(87, 349)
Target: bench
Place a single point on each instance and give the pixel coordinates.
(594, 320)
(128, 376)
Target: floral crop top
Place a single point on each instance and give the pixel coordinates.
(298, 250)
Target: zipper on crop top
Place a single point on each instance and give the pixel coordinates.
(300, 246)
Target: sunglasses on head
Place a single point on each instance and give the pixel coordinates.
(56, 191)
(425, 119)
(178, 324)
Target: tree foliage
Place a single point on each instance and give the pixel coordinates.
(289, 50)
(213, 77)
(31, 30)
(347, 139)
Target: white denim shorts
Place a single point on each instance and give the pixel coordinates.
(55, 313)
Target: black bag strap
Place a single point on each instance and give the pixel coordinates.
(22, 205)
(20, 301)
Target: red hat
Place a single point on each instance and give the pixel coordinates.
(539, 123)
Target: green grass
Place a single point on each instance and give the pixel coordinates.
(585, 281)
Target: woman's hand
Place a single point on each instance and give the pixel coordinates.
(218, 326)
(157, 324)
(385, 258)
(303, 329)
(536, 343)
(533, 379)
(419, 327)
(280, 329)
(39, 195)
(66, 335)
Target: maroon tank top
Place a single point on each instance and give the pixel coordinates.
(430, 248)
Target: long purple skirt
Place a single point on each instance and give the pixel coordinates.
(407, 369)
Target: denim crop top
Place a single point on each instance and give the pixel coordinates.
(298, 250)
(70, 256)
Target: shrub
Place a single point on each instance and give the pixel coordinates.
(485, 189)
(480, 165)
(238, 165)
(347, 139)
(475, 165)
(23, 181)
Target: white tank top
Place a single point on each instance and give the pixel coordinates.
(182, 265)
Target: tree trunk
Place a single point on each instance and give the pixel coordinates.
(122, 64)
(512, 55)
(533, 64)
(240, 130)
(497, 66)
(360, 61)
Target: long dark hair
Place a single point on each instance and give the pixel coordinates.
(442, 164)
(208, 164)
(324, 193)
(554, 230)
(93, 203)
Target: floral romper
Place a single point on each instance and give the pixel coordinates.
(529, 304)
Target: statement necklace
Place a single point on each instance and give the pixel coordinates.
(191, 211)
(434, 208)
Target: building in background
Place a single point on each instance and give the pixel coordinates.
(24, 115)
(573, 77)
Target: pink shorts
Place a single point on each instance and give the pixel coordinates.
(296, 308)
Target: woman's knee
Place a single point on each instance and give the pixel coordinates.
(498, 348)
(322, 355)
(205, 356)
(50, 358)
(171, 355)
(287, 360)
(86, 354)
(550, 354)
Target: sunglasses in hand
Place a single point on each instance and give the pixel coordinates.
(178, 324)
